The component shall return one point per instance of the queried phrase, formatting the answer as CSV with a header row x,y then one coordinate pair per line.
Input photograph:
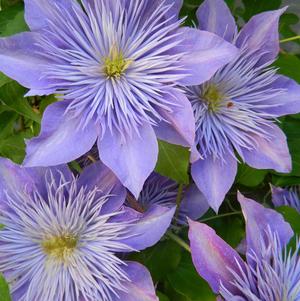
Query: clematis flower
x,y
269,273
161,191
119,66
286,197
235,110
62,236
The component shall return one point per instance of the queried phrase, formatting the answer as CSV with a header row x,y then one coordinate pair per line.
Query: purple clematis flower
x,y
161,191
62,235
119,66
235,110
286,197
270,272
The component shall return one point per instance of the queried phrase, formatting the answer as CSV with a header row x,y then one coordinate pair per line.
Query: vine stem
x,y
219,216
290,39
179,240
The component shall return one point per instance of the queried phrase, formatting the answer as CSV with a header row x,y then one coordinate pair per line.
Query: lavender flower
x,y
119,66
270,273
62,236
235,110
286,197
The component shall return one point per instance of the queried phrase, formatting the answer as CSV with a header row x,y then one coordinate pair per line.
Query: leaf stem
x,y
179,241
219,216
290,39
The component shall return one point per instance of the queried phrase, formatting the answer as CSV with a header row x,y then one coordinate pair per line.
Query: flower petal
x,y
279,195
215,16
261,33
132,159
39,12
99,176
214,178
19,59
147,228
270,154
258,220
287,102
194,203
180,128
212,256
15,178
205,54
140,287
60,140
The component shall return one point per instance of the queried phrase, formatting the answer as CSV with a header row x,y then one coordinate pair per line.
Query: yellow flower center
x,y
60,247
115,64
213,98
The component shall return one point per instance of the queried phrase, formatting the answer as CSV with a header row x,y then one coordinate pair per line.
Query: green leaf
x,y
4,290
161,259
162,297
12,20
187,282
250,177
289,65
292,216
7,122
12,95
4,79
173,162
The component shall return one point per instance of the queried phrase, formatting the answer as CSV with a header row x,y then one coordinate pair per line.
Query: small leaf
x,y
292,216
162,297
4,290
250,177
173,162
289,65
4,79
12,95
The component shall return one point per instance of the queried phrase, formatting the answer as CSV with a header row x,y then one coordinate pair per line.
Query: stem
x,y
178,199
219,216
290,39
134,203
180,241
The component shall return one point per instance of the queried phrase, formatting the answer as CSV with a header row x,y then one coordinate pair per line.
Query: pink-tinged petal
x,y
213,257
205,54
147,228
14,178
287,102
279,196
99,176
20,60
61,140
194,204
132,159
140,287
261,33
270,154
258,220
215,16
214,177
39,12
179,127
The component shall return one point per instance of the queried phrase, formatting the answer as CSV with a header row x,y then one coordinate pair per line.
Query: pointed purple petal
x,y
215,16
180,125
140,287
61,140
39,12
99,176
258,220
212,256
205,54
149,227
194,204
287,102
270,154
132,159
19,59
261,33
214,178
15,178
